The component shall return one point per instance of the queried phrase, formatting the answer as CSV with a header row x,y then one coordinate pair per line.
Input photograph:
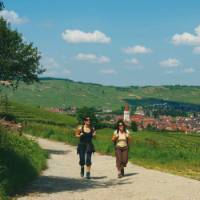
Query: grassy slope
x,y
58,93
29,114
21,160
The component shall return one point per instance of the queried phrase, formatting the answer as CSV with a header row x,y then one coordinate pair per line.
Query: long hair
x,y
84,119
121,122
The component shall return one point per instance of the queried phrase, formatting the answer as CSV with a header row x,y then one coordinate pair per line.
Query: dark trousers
x,y
85,157
121,154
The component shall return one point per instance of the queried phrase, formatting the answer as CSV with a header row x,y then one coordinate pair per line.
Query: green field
x,y
64,93
170,152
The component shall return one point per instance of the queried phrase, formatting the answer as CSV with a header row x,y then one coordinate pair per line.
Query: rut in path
x,y
61,181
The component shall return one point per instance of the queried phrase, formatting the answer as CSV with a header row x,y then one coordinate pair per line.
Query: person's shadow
x,y
55,184
130,174
57,152
98,177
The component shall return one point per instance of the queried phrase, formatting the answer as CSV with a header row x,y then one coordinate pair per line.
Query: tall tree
x,y
134,126
19,60
87,112
1,5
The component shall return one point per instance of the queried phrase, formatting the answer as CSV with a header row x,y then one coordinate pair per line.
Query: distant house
x,y
137,118
106,110
119,117
139,111
148,121
6,83
55,110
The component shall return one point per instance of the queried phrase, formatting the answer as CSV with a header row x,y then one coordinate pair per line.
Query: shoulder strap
x,y
82,129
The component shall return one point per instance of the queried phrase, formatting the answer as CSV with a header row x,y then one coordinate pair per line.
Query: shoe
x,y
88,175
82,171
122,171
119,175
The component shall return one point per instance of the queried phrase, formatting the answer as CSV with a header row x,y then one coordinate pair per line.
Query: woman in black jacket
x,y
85,147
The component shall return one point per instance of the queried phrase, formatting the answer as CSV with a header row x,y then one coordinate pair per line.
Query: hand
x,y
81,134
127,135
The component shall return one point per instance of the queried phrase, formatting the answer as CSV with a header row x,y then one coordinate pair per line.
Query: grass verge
x,y
21,161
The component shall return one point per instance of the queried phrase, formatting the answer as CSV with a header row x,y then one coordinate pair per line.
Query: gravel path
x,y
61,181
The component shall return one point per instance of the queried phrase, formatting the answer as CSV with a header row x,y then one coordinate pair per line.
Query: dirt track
x,y
61,181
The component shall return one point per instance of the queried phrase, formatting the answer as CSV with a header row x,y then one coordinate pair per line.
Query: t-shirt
x,y
122,138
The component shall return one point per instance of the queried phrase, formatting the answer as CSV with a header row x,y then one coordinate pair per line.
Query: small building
x,y
6,83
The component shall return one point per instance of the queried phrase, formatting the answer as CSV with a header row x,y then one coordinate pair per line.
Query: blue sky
x,y
129,42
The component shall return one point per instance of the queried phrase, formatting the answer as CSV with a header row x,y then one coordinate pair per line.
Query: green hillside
x,y
64,93
170,152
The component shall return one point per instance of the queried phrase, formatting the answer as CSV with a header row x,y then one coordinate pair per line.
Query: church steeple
x,y
126,113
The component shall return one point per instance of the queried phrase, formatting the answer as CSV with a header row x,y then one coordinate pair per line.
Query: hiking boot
x,y
82,171
122,171
119,175
88,175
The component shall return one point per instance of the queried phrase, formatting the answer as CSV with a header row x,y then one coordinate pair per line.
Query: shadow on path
x,y
98,177
57,152
54,184
130,174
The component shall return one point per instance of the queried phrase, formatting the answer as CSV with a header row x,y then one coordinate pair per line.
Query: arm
x,y
94,134
78,132
115,137
129,139
128,136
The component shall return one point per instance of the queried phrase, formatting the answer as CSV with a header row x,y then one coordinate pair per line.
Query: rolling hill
x,y
64,93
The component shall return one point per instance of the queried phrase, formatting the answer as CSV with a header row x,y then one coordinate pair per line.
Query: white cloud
x,y
187,38
78,36
196,50
54,69
189,70
50,63
108,71
197,30
132,61
103,59
12,17
170,62
92,58
138,49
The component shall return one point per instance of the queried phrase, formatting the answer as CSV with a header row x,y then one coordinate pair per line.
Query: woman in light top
x,y
85,147
121,139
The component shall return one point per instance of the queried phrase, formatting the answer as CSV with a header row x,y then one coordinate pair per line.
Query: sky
x,y
113,42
